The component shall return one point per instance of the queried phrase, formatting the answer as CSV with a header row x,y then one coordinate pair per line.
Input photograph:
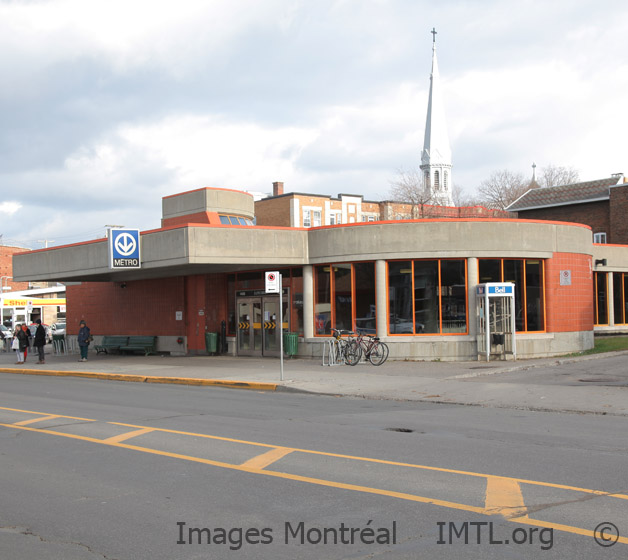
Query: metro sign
x,y
124,248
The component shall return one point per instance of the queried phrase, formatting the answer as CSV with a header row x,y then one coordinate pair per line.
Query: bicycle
x,y
345,350
373,349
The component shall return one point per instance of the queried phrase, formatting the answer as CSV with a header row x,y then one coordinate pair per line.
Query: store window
x,y
344,297
427,297
528,277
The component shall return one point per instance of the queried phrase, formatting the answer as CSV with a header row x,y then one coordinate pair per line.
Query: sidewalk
x,y
539,384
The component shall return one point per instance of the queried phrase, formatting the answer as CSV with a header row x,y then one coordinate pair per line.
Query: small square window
x,y
599,237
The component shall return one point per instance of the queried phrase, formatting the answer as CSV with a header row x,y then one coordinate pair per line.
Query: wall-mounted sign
x,y
124,248
565,277
178,315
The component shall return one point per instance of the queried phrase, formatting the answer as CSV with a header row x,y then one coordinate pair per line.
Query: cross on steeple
x,y
433,32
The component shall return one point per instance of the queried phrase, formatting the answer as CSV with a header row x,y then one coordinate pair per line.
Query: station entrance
x,y
258,324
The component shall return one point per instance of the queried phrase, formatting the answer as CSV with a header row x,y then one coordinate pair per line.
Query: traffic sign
x,y
124,248
272,282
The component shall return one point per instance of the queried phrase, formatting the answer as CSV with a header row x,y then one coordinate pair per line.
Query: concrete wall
x,y
446,239
223,201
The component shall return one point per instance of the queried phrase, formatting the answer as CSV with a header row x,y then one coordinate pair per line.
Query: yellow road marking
x,y
46,414
33,420
128,435
504,497
268,458
501,491
392,463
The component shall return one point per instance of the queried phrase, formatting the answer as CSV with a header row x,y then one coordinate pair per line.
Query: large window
x,y
427,297
344,297
620,293
527,275
601,301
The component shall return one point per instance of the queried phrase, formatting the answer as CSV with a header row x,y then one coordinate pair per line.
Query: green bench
x,y
144,344
111,343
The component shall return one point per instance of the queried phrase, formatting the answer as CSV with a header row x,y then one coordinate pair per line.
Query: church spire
x,y
436,155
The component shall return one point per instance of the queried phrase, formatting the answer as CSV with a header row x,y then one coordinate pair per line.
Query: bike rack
x,y
331,354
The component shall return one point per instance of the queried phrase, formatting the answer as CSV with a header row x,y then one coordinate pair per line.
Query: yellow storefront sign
x,y
35,302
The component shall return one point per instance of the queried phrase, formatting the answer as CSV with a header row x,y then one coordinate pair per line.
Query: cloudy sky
x,y
106,106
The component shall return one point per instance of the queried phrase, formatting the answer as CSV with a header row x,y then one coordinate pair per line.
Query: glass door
x,y
258,324
250,327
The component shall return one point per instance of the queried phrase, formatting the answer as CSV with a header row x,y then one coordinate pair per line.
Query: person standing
x,y
27,334
40,341
22,343
84,336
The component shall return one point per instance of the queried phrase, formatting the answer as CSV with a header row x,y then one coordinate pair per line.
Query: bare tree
x,y
553,175
502,188
462,198
408,187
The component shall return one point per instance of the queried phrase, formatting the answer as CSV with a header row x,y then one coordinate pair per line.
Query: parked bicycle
x,y
345,350
373,349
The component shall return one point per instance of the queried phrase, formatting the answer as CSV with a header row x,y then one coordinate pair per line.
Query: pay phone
x,y
495,311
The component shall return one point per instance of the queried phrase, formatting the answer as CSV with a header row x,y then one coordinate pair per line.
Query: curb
x,y
554,361
252,385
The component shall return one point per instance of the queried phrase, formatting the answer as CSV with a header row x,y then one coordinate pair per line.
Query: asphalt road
x,y
101,469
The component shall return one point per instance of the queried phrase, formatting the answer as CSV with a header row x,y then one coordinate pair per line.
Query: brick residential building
x,y
308,210
600,204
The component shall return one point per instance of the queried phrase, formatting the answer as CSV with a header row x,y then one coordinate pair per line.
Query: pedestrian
x,y
40,341
84,338
20,343
27,334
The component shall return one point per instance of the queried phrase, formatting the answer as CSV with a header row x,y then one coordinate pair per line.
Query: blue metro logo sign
x,y
124,248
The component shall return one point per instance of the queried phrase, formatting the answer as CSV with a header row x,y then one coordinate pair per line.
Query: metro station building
x,y
410,282
405,273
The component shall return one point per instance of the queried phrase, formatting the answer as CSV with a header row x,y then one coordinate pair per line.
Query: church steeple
x,y
436,155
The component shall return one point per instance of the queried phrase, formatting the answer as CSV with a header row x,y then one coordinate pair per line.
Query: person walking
x,y
84,336
40,341
21,344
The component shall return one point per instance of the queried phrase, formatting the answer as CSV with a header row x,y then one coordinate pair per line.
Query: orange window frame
x,y
525,288
440,299
332,291
595,297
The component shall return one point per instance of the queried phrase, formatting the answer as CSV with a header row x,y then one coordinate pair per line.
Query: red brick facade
x,y
596,215
149,307
568,308
619,215
6,267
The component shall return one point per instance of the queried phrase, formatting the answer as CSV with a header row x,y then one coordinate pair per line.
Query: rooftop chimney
x,y
277,188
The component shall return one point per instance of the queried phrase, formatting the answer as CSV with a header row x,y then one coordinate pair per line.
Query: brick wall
x,y
569,308
273,211
148,307
144,307
618,215
593,214
6,267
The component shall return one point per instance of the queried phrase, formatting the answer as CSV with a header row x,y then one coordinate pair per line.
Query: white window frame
x,y
599,237
307,217
317,218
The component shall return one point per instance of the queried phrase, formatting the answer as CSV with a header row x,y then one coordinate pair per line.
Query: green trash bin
x,y
211,342
290,343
